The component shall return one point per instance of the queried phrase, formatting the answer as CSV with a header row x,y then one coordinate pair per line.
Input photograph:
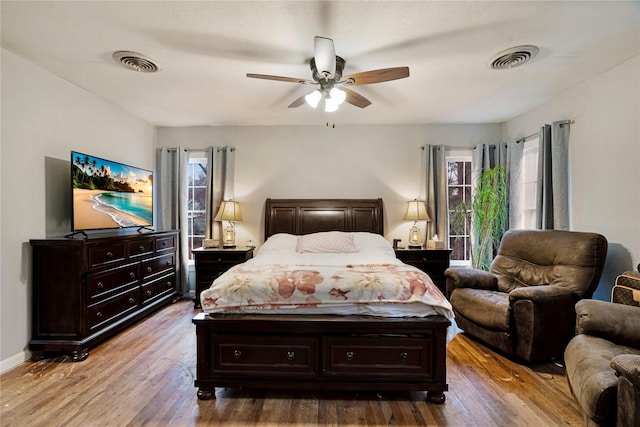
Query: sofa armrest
x,y
614,322
542,294
628,366
469,278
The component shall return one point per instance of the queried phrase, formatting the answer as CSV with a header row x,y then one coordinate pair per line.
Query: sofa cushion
x,y
592,380
489,309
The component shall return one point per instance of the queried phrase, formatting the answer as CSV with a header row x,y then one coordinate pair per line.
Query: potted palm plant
x,y
489,211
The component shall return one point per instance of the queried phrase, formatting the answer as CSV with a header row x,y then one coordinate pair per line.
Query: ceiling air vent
x,y
135,61
513,57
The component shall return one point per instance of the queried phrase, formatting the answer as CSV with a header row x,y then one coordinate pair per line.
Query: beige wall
x,y
604,155
43,119
321,162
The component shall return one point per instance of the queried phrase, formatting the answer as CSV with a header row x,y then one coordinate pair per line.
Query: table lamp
x,y
229,211
416,211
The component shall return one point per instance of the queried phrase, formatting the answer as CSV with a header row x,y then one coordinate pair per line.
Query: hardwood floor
x,y
144,376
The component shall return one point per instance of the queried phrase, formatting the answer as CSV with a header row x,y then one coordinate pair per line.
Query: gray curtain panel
x,y
552,205
172,166
220,186
436,199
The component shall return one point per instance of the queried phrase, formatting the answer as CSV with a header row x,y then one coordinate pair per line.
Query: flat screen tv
x,y
109,195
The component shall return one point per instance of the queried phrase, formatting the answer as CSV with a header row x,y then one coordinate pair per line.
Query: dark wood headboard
x,y
304,216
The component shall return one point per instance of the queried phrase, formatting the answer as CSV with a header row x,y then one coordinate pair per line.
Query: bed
x,y
280,321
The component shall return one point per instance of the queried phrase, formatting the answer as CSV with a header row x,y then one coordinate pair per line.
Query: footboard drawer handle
x,y
404,355
237,354
291,355
349,355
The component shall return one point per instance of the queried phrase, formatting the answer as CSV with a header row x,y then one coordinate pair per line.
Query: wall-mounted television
x,y
109,194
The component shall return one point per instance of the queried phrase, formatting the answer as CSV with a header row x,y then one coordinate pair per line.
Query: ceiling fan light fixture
x,y
313,98
338,96
330,105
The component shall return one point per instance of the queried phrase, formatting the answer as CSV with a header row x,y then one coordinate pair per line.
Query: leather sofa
x,y
603,363
524,305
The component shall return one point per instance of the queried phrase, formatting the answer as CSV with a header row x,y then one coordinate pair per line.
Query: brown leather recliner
x,y
524,305
603,363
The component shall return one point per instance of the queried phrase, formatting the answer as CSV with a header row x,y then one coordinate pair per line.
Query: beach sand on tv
x,y
87,217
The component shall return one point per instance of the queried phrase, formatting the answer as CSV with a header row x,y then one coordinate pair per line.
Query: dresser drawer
x,y
162,286
257,356
140,247
101,255
110,310
101,285
157,265
166,244
378,357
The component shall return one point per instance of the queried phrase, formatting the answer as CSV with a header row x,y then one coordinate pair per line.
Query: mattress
x,y
326,273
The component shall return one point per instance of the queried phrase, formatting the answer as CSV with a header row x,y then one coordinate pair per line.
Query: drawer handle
x,y
132,274
349,355
291,355
131,300
164,243
100,285
404,355
141,248
99,314
168,262
237,354
424,260
109,254
219,259
149,292
149,269
169,284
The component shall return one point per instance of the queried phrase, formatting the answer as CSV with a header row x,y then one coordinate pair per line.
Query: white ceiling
x,y
206,48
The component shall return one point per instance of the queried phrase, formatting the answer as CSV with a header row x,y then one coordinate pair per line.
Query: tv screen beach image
x,y
108,194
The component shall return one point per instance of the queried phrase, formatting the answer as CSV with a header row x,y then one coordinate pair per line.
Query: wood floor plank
x,y
144,377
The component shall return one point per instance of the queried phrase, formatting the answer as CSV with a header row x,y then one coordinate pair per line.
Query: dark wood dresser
x,y
85,290
212,262
432,261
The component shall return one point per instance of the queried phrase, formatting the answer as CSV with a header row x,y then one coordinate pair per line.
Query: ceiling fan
x,y
326,71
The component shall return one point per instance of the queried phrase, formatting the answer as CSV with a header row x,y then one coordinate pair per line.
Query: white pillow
x,y
326,242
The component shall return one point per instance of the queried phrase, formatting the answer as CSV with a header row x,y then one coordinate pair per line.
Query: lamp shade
x,y
416,211
229,211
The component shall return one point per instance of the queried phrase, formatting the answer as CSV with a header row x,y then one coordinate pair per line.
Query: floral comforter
x,y
271,286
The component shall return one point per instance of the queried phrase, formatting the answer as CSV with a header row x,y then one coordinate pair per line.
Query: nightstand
x,y
432,261
212,262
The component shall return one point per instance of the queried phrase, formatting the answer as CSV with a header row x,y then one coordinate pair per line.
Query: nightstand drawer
x,y
378,357
255,356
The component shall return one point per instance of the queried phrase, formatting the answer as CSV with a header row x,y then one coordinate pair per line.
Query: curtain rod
x,y
198,149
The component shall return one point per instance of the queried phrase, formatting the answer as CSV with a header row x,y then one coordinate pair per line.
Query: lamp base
x,y
229,246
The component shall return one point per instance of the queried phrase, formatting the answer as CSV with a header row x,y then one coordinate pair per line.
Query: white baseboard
x,y
13,361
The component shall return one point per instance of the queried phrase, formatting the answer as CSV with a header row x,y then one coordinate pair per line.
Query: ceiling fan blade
x,y
356,99
298,102
375,76
324,54
280,78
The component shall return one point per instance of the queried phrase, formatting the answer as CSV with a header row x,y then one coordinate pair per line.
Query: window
x,y
459,194
197,193
529,179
